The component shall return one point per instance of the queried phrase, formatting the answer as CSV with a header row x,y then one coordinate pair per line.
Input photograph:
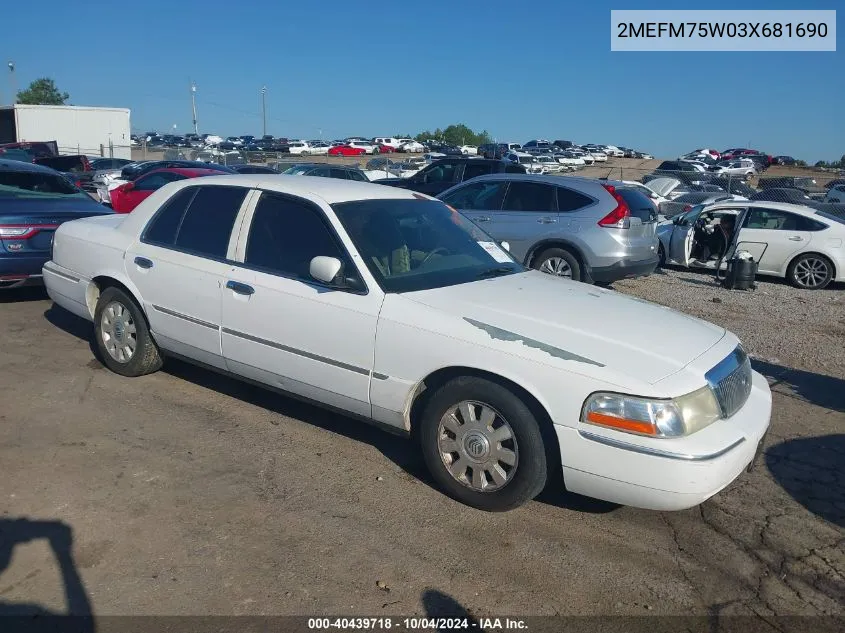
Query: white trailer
x,y
86,130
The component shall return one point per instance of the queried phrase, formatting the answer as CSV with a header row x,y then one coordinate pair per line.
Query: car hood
x,y
576,326
663,186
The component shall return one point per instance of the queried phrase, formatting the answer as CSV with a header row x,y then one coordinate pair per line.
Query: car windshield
x,y
28,184
411,245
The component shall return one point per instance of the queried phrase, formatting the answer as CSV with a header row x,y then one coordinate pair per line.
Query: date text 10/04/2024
x,y
422,624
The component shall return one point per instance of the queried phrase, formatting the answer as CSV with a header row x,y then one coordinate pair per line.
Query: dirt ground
x,y
187,493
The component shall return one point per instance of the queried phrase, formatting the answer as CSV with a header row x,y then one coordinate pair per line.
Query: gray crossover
x,y
580,228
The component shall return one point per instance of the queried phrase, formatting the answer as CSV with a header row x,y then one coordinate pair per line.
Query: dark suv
x,y
447,172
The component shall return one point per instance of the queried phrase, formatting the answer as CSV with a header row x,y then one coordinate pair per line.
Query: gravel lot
x,y
189,493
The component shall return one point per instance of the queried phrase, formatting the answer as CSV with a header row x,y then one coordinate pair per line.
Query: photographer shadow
x,y
32,616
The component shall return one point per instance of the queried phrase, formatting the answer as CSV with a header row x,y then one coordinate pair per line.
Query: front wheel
x,y
376,150
483,445
661,254
121,335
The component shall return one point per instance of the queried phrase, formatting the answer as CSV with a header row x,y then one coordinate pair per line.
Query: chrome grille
x,y
730,381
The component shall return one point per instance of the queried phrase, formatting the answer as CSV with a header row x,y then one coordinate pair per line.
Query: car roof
x,y
800,209
551,180
185,171
18,165
330,190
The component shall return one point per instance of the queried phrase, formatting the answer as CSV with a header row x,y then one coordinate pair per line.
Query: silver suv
x,y
579,228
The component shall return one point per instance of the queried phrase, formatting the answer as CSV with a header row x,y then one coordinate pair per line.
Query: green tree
x,y
820,163
42,92
456,134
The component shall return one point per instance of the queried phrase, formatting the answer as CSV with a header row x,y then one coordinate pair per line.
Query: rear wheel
x,y
122,337
810,271
559,262
483,445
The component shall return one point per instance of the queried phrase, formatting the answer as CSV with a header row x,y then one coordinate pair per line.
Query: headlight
x,y
655,418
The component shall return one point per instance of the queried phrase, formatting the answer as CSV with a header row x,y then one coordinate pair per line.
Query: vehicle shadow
x,y
441,605
823,391
396,447
20,295
811,470
59,535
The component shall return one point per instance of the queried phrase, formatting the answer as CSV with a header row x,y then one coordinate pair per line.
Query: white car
x,y
302,148
598,155
739,167
502,374
570,160
529,161
368,147
469,150
612,150
395,143
430,157
835,194
792,241
412,147
550,164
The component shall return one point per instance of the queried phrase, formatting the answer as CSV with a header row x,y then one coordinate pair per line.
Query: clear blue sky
x,y
519,69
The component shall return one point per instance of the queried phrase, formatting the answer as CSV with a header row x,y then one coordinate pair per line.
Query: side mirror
x,y
505,246
324,269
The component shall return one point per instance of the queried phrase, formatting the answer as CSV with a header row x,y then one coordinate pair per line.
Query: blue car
x,y
34,201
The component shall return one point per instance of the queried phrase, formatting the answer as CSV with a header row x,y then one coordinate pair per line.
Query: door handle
x,y
483,218
239,288
546,220
796,238
143,262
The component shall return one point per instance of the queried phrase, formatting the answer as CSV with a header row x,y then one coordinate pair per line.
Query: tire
x,y
810,272
558,259
661,254
515,484
116,307
376,150
305,153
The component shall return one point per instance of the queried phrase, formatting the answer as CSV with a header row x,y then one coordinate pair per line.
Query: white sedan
x,y
469,150
739,167
412,147
792,241
394,308
368,147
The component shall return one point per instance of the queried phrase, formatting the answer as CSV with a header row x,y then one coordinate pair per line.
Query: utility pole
x,y
264,110
194,106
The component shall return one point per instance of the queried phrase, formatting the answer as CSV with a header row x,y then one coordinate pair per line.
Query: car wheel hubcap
x,y
477,446
556,266
117,329
811,272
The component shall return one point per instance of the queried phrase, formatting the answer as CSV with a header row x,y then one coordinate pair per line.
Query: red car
x,y
346,150
129,195
386,149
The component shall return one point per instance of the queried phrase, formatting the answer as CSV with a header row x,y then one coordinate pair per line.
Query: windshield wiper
x,y
495,272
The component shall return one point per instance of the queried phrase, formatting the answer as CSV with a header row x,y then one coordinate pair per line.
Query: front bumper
x,y
624,270
657,474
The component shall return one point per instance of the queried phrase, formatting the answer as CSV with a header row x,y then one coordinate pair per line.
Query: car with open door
x,y
790,241
393,308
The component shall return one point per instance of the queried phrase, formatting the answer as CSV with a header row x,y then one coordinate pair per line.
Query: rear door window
x,y
208,222
530,196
